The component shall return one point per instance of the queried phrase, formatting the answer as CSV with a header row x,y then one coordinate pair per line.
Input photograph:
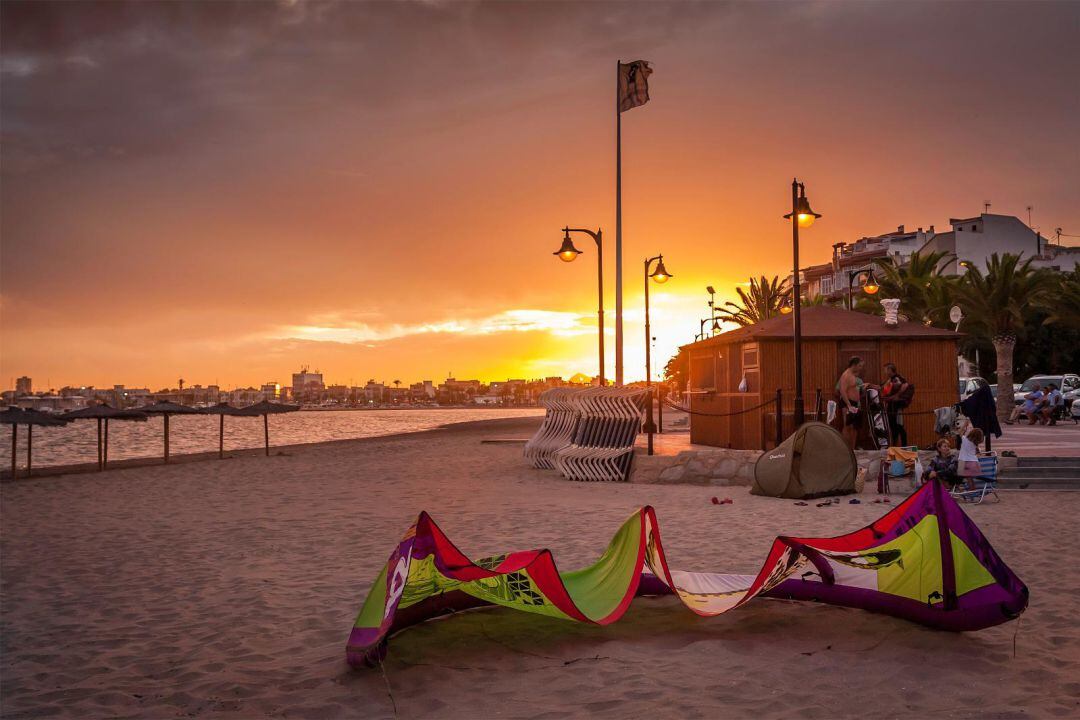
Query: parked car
x,y
968,386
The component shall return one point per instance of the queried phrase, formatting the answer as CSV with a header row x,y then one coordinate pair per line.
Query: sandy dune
x,y
228,588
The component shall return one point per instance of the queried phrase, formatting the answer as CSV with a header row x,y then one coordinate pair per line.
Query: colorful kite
x,y
924,561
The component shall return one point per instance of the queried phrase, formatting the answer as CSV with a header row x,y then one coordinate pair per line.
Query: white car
x,y
968,386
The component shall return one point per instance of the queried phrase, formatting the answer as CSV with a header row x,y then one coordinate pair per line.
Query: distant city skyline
x,y
226,191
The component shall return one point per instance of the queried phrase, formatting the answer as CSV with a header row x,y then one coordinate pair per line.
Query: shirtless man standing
x,y
849,388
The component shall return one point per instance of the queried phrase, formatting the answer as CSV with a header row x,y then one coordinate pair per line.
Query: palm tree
x,y
999,305
1065,309
761,303
925,294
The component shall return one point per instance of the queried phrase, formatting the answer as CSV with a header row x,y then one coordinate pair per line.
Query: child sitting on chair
x,y
943,465
968,462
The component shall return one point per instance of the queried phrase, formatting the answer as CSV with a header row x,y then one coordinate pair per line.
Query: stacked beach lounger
x,y
557,430
603,425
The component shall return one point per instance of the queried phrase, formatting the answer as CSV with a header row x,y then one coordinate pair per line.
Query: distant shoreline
x,y
472,406
516,426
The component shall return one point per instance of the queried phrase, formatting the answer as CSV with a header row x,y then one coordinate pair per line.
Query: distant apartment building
x,y
422,391
51,402
837,278
456,392
396,395
307,386
373,392
973,240
271,391
243,396
338,393
24,386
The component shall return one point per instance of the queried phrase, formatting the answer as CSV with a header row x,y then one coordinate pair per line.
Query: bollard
x,y
779,416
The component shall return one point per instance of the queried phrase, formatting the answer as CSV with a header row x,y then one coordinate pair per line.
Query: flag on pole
x,y
633,84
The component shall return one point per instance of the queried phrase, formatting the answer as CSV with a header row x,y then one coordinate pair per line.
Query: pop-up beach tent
x,y
924,561
814,461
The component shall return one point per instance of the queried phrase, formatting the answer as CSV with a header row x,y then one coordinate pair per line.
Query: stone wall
x,y
720,466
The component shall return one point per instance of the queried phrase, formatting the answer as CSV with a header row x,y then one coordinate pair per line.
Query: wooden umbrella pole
x,y
99,456
221,437
29,449
14,447
266,433
105,448
166,437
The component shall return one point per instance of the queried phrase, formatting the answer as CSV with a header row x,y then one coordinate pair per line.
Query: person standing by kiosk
x,y
849,388
896,393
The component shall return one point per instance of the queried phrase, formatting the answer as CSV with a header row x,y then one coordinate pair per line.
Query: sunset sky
x,y
225,192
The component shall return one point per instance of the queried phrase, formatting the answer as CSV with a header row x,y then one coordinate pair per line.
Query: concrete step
x,y
1049,471
1048,462
1013,482
1039,487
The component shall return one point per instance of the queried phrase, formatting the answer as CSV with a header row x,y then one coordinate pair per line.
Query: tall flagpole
x,y
618,235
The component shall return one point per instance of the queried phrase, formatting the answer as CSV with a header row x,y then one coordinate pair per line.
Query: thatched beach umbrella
x,y
221,410
15,417
106,413
266,408
167,409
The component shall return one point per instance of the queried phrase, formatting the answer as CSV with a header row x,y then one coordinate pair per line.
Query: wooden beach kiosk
x,y
763,354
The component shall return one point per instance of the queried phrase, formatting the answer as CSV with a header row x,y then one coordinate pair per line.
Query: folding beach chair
x,y
985,483
905,455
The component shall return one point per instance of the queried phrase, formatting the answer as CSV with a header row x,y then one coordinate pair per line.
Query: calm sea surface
x,y
76,442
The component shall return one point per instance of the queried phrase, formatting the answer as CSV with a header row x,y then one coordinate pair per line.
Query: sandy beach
x,y
228,588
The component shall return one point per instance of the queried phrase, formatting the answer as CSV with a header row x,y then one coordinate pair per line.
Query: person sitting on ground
x,y
968,461
1053,404
943,465
1031,404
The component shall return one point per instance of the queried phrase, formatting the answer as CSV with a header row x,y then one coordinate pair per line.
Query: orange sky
x,y
224,192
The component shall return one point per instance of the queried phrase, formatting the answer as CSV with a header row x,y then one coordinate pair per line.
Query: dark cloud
x,y
204,155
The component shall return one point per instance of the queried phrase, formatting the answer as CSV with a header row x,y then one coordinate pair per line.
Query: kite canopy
x,y
813,462
924,561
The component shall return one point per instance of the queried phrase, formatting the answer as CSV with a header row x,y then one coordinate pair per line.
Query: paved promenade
x,y
1061,440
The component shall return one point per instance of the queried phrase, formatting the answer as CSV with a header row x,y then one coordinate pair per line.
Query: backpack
x,y
904,397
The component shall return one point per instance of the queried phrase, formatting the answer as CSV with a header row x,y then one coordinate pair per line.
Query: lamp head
x,y
785,307
709,289
660,274
804,215
870,285
567,253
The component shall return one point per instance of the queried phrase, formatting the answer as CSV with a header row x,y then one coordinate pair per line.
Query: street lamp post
x,y
701,326
869,286
660,276
801,216
568,253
